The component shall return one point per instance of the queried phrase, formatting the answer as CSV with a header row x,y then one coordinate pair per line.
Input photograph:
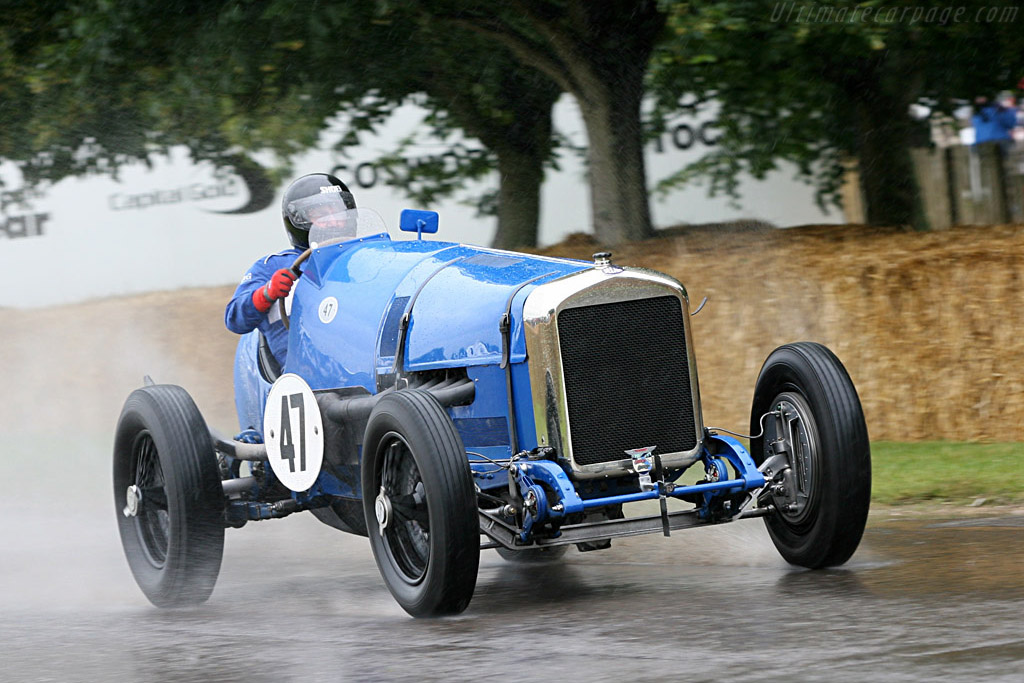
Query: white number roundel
x,y
328,309
294,433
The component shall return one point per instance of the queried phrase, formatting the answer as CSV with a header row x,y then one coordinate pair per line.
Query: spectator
x,y
993,124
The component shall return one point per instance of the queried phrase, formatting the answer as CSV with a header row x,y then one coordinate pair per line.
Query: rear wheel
x,y
168,496
817,442
420,505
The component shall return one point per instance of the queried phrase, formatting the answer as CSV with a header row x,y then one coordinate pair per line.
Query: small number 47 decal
x,y
288,440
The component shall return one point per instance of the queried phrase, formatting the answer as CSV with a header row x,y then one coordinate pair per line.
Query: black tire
x,y
175,541
540,555
821,513
415,471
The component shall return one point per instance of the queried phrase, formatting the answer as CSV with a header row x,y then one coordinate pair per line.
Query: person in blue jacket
x,y
311,200
993,124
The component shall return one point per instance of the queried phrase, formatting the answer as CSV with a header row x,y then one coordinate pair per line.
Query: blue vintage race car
x,y
442,399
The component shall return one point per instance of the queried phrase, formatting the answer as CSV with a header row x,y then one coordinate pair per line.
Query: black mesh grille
x,y
627,379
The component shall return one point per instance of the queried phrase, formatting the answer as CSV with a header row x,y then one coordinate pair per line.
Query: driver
x,y
317,199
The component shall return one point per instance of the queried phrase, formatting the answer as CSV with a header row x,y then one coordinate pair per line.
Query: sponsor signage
x,y
173,223
196,192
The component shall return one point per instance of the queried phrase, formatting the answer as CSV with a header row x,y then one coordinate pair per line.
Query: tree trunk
x,y
598,52
618,179
522,146
521,176
609,86
891,192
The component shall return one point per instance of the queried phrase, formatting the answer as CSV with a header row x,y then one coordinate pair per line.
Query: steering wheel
x,y
297,273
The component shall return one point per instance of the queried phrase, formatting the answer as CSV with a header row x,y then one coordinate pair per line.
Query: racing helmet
x,y
314,198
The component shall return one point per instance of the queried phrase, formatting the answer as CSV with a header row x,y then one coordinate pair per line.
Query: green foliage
x,y
817,84
90,86
102,84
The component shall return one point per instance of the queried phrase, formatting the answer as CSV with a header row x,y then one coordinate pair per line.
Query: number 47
x,y
288,440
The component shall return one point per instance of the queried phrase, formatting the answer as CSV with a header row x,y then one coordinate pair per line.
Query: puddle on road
x,y
983,557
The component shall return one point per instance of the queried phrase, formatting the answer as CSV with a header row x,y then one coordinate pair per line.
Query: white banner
x,y
179,224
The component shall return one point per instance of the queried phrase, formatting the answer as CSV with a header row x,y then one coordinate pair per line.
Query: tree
x,y
818,84
91,86
598,52
98,85
477,88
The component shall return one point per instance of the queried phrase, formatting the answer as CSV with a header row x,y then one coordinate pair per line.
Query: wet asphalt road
x,y
920,601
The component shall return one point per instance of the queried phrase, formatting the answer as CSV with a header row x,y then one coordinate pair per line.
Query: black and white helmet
x,y
312,199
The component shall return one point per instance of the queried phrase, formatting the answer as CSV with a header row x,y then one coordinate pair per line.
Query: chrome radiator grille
x,y
627,378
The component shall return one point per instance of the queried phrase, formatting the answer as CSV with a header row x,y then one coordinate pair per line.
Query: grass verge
x,y
943,471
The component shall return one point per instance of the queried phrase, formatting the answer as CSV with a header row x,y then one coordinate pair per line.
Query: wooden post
x,y
932,179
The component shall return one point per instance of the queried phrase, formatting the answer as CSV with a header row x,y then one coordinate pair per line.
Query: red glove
x,y
277,287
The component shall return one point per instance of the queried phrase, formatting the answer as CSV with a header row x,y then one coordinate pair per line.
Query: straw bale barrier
x,y
929,325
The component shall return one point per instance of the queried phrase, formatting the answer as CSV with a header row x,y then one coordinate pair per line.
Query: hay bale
x,y
927,324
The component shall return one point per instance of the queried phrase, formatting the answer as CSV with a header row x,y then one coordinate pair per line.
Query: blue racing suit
x,y
241,315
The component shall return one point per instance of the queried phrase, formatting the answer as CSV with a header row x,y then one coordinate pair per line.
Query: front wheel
x,y
820,460
168,496
420,505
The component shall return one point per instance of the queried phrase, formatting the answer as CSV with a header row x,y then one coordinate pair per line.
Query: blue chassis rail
x,y
528,474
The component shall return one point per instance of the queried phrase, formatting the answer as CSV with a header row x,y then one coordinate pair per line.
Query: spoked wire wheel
x,y
151,519
403,516
420,504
